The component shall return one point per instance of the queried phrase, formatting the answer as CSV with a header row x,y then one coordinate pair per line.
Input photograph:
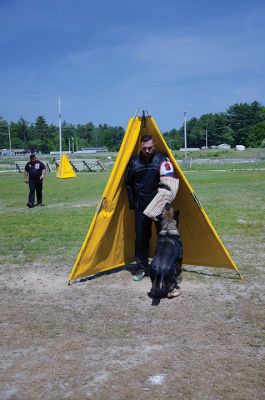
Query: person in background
x,y
34,174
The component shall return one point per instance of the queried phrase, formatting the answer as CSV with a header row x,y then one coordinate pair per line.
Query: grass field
x,y
102,339
234,201
56,230
222,166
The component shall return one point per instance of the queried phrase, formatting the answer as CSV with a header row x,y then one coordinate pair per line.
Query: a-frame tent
x,y
65,169
110,239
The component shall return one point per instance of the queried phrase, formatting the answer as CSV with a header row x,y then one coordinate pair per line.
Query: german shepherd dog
x,y
166,265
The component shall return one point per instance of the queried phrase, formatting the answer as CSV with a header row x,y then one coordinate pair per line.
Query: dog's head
x,y
169,221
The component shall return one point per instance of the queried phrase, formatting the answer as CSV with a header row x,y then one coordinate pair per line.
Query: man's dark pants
x,y
35,186
143,231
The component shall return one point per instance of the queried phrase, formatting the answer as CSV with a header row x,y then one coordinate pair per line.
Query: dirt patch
x,y
103,339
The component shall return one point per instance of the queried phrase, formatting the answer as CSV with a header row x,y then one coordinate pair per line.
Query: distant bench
x,y
20,166
85,165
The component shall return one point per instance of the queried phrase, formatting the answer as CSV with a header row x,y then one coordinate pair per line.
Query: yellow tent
x,y
110,239
65,169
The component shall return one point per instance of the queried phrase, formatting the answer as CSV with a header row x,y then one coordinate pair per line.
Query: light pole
x,y
206,139
9,135
185,134
60,129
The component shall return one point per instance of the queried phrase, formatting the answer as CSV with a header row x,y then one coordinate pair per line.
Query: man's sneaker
x,y
29,205
39,205
174,293
139,276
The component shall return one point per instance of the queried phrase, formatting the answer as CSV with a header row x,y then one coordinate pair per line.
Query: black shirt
x,y
34,169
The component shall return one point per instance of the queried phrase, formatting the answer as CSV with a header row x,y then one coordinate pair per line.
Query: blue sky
x,y
107,58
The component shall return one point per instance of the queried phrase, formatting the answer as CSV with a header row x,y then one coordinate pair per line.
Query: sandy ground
x,y
103,338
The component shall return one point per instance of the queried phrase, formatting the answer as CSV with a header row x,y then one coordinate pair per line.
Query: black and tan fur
x,y
167,261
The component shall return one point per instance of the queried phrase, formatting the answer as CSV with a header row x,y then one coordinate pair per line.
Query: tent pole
x,y
143,120
240,276
136,113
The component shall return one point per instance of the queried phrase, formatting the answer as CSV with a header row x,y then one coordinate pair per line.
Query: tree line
x,y
242,123
45,137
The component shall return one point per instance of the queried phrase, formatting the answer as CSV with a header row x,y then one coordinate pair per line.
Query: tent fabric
x,y
65,169
110,239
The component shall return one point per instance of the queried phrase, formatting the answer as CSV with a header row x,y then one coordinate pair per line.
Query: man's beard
x,y
147,157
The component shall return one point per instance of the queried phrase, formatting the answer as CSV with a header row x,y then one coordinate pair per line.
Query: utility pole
x,y
60,129
185,134
9,135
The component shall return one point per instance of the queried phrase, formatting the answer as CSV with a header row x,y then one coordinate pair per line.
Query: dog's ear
x,y
159,217
176,215
167,206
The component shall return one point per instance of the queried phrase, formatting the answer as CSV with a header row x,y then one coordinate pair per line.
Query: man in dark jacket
x,y
142,180
34,175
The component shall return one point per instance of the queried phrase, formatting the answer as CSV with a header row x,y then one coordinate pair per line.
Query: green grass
x,y
222,166
52,232
234,201
216,153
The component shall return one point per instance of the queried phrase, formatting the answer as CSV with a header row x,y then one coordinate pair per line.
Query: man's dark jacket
x,y
142,179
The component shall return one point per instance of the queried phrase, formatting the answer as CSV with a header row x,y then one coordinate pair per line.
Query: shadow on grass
x,y
193,271
129,267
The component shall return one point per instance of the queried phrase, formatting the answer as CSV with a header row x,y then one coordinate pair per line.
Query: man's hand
x,y
43,175
26,177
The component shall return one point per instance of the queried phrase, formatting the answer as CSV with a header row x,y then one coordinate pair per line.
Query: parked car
x,y
240,147
224,146
6,152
